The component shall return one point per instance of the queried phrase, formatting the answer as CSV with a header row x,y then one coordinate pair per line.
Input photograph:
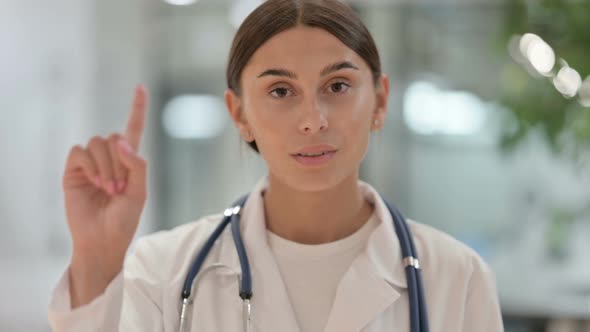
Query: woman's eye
x,y
339,87
280,92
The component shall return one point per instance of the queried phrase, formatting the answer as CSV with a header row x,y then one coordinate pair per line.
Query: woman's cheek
x,y
352,110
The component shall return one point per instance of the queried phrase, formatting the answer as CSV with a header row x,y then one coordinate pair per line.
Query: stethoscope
x,y
418,315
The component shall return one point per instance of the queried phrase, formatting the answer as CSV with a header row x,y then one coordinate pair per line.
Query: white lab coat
x,y
371,297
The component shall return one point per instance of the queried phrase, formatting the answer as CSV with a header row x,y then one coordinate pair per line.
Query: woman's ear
x,y
235,109
382,95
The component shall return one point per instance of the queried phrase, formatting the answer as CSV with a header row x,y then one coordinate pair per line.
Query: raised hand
x,y
105,191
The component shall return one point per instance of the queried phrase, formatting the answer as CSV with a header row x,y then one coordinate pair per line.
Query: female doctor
x,y
305,90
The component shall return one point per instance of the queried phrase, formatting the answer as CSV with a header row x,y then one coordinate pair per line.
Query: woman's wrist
x,y
90,277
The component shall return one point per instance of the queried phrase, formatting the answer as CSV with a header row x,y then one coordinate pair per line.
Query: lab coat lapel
x,y
361,297
271,306
372,282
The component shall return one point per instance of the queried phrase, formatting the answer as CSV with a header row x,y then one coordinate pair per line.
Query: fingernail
x,y
120,185
111,187
97,181
125,146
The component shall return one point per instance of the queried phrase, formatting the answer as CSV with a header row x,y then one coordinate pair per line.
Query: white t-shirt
x,y
311,273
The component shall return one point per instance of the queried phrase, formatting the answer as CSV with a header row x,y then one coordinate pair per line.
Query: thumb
x,y
134,163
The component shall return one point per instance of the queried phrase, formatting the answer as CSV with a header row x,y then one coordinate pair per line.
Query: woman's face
x,y
305,93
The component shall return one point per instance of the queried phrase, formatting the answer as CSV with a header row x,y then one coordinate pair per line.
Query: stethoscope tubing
x,y
246,282
418,313
414,275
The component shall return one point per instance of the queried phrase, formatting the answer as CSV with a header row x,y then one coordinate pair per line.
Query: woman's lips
x,y
314,159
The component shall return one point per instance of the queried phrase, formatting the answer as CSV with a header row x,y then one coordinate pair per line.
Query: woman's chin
x,y
314,181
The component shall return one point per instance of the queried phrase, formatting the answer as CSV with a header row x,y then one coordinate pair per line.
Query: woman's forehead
x,y
301,49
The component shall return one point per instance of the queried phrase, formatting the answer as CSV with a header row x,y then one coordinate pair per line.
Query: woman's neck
x,y
315,217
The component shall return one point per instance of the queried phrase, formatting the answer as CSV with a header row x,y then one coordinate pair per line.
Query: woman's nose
x,y
314,118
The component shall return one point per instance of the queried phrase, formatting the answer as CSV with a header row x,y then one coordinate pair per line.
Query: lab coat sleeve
x,y
102,314
131,302
482,311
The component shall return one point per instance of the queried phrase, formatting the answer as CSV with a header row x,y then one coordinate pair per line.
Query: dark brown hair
x,y
275,16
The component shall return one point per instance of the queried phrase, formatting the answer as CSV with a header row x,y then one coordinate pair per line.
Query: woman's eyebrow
x,y
327,70
338,66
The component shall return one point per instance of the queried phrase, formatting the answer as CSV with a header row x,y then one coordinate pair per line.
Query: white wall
x,y
60,84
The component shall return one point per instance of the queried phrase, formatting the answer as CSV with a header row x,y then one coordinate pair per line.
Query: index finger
x,y
136,121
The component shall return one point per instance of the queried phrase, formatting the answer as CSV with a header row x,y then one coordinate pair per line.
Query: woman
x,y
305,89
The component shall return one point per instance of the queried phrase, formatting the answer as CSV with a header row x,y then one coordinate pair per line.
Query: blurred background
x,y
488,134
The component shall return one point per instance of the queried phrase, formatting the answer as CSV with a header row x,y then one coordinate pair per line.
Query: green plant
x,y
533,101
